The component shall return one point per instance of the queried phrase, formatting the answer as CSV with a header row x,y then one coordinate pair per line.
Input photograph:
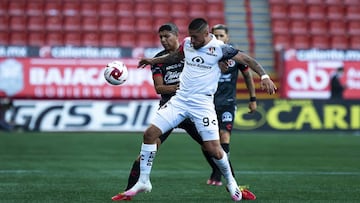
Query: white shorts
x,y
199,109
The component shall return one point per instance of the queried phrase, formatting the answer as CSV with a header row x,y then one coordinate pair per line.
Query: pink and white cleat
x,y
139,187
234,191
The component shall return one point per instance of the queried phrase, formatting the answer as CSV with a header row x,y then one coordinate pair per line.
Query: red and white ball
x,y
116,73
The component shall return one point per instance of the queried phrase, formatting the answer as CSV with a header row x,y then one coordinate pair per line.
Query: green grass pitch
x,y
92,167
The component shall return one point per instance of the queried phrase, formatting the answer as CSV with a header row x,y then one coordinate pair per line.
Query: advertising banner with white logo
x,y
135,115
36,78
307,73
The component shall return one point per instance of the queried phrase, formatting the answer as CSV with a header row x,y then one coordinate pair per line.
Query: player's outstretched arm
x,y
251,89
266,83
167,58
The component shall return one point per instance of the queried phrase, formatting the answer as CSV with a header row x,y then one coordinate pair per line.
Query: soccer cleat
x,y
120,197
246,194
138,187
234,191
214,182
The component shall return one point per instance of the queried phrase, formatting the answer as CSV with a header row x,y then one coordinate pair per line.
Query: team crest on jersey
x,y
211,51
230,63
226,117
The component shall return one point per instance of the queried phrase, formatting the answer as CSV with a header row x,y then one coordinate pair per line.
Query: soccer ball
x,y
116,73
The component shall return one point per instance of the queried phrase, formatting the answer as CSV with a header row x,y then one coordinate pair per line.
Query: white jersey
x,y
201,70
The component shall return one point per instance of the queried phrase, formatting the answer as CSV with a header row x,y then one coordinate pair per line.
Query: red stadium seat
x,y
337,27
280,26
108,23
144,24
90,39
278,11
355,42
161,10
109,39
4,23
36,38
297,11
71,8
36,23
295,2
320,42
316,12
90,23
315,2
335,12
53,8
54,39
3,8
145,39
334,2
215,9
16,8
127,39
125,9
351,2
143,9
54,23
18,38
89,8
179,9
298,27
18,23
126,24
72,23
318,27
107,9
182,23
159,21
354,27
197,9
339,42
4,38
281,41
353,12
301,42
73,38
35,8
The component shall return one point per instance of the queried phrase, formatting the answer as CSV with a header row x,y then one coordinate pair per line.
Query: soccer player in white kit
x,y
194,99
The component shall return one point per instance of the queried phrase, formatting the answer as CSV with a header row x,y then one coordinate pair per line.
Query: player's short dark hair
x,y
171,27
198,24
220,27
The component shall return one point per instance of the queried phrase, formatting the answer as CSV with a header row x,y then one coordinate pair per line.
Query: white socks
x,y
147,155
224,166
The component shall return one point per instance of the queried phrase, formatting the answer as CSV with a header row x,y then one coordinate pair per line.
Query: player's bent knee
x,y
151,134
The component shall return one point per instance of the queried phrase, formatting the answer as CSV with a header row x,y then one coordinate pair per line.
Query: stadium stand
x,y
324,23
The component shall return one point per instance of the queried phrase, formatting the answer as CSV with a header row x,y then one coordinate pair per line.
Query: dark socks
x,y
134,175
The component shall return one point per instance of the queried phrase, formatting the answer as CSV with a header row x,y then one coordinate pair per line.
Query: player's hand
x,y
268,85
252,107
223,66
144,62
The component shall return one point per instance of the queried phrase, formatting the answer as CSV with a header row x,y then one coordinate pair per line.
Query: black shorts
x,y
225,115
189,127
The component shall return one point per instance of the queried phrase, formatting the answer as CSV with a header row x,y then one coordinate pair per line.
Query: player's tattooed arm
x,y
174,57
245,59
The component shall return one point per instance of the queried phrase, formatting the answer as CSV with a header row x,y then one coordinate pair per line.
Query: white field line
x,y
178,172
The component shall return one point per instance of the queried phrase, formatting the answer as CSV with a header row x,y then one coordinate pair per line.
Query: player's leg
x,y
190,128
135,169
205,119
222,162
166,118
225,115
